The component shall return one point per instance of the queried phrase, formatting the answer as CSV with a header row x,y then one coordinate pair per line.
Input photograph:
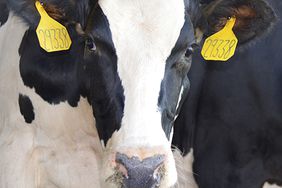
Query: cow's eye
x,y
191,50
90,44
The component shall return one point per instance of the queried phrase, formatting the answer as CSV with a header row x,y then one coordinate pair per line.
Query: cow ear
x,y
253,17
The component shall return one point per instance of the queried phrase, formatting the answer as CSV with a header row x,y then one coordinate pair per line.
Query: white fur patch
x,y
179,97
268,185
179,100
144,33
60,149
184,170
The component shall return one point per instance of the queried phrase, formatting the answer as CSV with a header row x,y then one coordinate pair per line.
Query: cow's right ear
x,y
27,11
67,12
253,17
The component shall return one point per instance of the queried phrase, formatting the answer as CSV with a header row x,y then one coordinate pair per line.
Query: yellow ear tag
x,y
52,35
221,46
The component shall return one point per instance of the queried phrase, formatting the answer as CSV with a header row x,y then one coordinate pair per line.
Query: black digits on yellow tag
x,y
52,35
222,45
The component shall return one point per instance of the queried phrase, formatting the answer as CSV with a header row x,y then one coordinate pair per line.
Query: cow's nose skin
x,y
141,174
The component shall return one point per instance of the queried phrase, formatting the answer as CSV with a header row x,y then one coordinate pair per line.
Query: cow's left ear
x,y
253,17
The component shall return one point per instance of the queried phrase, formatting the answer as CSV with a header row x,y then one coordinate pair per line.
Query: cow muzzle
x,y
136,173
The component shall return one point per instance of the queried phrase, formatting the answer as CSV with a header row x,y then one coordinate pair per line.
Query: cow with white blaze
x,y
132,68
140,66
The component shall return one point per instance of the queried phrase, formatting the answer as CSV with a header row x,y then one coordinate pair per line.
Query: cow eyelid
x,y
89,42
191,50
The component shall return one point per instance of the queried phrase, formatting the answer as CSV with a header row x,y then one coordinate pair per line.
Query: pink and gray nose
x,y
141,174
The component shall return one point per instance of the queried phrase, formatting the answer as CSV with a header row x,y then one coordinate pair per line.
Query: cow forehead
x,y
144,29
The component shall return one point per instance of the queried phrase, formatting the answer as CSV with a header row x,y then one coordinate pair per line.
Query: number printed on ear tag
x,y
221,46
52,35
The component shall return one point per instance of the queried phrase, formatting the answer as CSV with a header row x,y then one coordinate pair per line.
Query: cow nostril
x,y
137,173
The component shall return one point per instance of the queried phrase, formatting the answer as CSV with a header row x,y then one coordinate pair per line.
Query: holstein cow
x,y
134,77
47,131
134,74
232,116
139,76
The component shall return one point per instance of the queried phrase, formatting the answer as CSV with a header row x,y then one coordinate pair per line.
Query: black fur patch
x,y
4,12
196,15
102,80
57,76
54,76
177,67
26,108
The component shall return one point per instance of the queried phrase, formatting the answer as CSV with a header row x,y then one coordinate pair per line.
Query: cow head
x,y
139,53
139,76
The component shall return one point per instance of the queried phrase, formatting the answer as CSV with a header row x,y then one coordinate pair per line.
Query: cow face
x,y
138,55
139,70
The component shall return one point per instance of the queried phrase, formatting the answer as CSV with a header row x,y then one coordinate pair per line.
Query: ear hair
x,y
55,12
67,12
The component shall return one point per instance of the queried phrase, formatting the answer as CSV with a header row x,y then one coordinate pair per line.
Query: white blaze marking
x,y
180,96
144,33
185,169
179,100
171,135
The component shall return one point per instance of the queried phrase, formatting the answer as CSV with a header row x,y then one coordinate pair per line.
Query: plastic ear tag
x,y
52,35
221,46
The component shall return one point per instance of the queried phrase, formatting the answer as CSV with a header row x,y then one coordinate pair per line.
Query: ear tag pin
x,y
221,46
52,35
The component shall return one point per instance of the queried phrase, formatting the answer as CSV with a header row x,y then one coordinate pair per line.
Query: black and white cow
x,y
133,71
139,76
232,116
47,130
